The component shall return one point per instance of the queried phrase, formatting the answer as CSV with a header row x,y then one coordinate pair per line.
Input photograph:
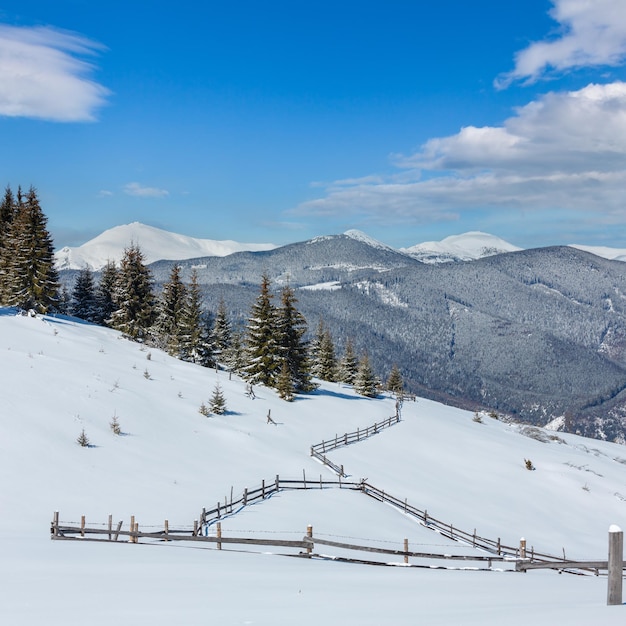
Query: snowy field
x,y
60,376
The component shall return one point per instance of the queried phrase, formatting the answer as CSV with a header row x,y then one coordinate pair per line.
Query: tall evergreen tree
x,y
262,348
30,277
192,332
395,384
349,364
171,311
83,300
366,383
291,328
326,362
134,297
105,293
222,332
8,210
284,383
235,356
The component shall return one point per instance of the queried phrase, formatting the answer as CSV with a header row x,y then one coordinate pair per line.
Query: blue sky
x,y
278,121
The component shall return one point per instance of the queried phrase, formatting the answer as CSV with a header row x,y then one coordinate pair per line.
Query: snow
x,y
156,244
613,254
61,376
466,247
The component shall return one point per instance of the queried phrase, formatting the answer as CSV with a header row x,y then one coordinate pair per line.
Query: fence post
x,y
195,528
309,534
304,477
82,525
166,529
616,564
55,524
219,535
406,549
245,496
263,489
522,548
132,529
110,525
277,483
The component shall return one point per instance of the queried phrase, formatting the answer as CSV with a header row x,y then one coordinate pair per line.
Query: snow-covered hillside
x,y
156,244
61,376
466,247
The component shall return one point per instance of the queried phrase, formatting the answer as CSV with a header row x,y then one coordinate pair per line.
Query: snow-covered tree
x,y
291,328
171,311
134,297
349,364
222,332
262,349
395,384
105,293
366,383
29,277
83,301
324,359
217,403
284,383
192,335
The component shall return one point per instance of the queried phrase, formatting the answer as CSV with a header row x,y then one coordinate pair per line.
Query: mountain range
x,y
538,334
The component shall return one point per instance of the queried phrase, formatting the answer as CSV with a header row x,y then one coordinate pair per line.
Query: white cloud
x,y
136,189
561,151
592,33
42,75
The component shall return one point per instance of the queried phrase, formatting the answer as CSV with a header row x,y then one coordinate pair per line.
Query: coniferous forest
x,y
273,349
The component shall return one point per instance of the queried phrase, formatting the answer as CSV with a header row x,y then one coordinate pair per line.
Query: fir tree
x,y
8,210
291,328
171,311
366,383
30,278
284,383
217,403
263,352
222,332
235,355
326,359
395,384
83,300
349,365
105,293
192,338
133,297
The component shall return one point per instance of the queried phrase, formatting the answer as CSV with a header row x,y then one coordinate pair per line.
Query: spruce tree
x,y
291,328
105,293
217,403
191,335
262,348
366,383
83,300
284,383
222,332
395,384
171,311
326,359
235,356
134,297
30,277
349,364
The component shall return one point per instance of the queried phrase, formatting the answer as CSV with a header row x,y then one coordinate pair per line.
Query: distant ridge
x,y
156,244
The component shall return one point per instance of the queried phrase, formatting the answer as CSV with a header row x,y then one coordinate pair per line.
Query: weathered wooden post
x,y
55,524
131,539
245,496
110,525
195,528
616,565
406,549
309,534
522,548
219,535
82,525
167,529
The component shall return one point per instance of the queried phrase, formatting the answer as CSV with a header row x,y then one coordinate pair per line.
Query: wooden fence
x,y
319,450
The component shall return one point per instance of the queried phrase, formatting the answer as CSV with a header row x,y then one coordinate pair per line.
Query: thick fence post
x,y
522,548
110,525
55,524
132,529
219,535
406,549
309,534
616,565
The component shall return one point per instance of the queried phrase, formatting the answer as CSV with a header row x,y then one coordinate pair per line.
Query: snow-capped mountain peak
x,y
156,244
359,235
466,247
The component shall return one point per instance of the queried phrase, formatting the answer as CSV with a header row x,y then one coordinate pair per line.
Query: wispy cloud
x,y
42,75
136,189
561,151
591,33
